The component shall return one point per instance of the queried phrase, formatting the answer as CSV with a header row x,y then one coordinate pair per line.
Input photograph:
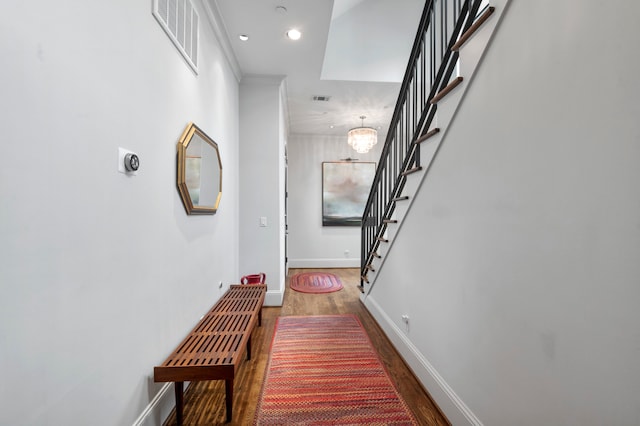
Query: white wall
x,y
102,274
518,262
312,245
262,152
354,52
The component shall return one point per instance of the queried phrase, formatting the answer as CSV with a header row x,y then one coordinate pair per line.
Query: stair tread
x,y
473,28
444,92
427,135
408,172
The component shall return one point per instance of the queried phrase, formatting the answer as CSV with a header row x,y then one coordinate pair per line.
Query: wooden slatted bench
x,y
214,348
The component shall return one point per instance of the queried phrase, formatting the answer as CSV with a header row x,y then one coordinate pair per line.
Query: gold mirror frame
x,y
199,171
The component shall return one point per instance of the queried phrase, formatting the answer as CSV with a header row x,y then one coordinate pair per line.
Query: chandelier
x,y
362,139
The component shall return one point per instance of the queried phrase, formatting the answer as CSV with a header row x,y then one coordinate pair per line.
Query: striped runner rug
x,y
323,370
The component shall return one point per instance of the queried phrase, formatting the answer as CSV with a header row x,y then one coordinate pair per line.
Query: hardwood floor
x,y
204,401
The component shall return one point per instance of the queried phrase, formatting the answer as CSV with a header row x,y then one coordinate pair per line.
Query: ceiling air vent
x,y
321,98
180,21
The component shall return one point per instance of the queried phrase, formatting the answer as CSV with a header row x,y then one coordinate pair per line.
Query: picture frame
x,y
345,189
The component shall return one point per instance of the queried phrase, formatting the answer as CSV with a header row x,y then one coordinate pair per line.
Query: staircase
x,y
435,77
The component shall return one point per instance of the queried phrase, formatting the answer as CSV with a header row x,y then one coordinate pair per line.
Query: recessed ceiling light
x,y
243,37
294,34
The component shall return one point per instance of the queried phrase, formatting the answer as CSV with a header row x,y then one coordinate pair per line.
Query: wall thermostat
x,y
131,162
128,162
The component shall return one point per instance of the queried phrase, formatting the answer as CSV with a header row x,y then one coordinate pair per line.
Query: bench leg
x,y
260,317
249,348
228,387
179,387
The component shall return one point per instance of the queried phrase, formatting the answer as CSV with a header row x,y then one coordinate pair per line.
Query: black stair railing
x,y
429,70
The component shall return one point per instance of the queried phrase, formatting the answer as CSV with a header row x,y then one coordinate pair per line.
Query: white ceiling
x,y
354,51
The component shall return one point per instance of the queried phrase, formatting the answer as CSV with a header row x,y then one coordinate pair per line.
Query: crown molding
x,y
217,25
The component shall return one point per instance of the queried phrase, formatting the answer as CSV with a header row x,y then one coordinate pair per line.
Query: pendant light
x,y
362,139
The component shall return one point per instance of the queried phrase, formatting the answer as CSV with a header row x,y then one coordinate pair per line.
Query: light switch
x,y
263,221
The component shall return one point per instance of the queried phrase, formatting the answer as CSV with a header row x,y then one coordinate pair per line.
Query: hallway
x,y
204,402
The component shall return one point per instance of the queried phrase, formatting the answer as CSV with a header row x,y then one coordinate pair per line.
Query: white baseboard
x,y
159,408
273,298
451,405
324,263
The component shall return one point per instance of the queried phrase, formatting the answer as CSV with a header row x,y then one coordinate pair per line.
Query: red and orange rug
x,y
315,282
323,370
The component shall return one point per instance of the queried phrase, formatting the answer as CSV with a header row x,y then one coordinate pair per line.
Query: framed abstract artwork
x,y
345,189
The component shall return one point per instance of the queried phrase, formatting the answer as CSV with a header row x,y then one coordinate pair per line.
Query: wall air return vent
x,y
180,21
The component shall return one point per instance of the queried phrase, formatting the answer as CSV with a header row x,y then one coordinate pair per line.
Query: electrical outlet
x,y
346,253
405,320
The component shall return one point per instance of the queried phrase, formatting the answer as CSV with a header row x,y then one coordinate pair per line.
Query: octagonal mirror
x,y
199,171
